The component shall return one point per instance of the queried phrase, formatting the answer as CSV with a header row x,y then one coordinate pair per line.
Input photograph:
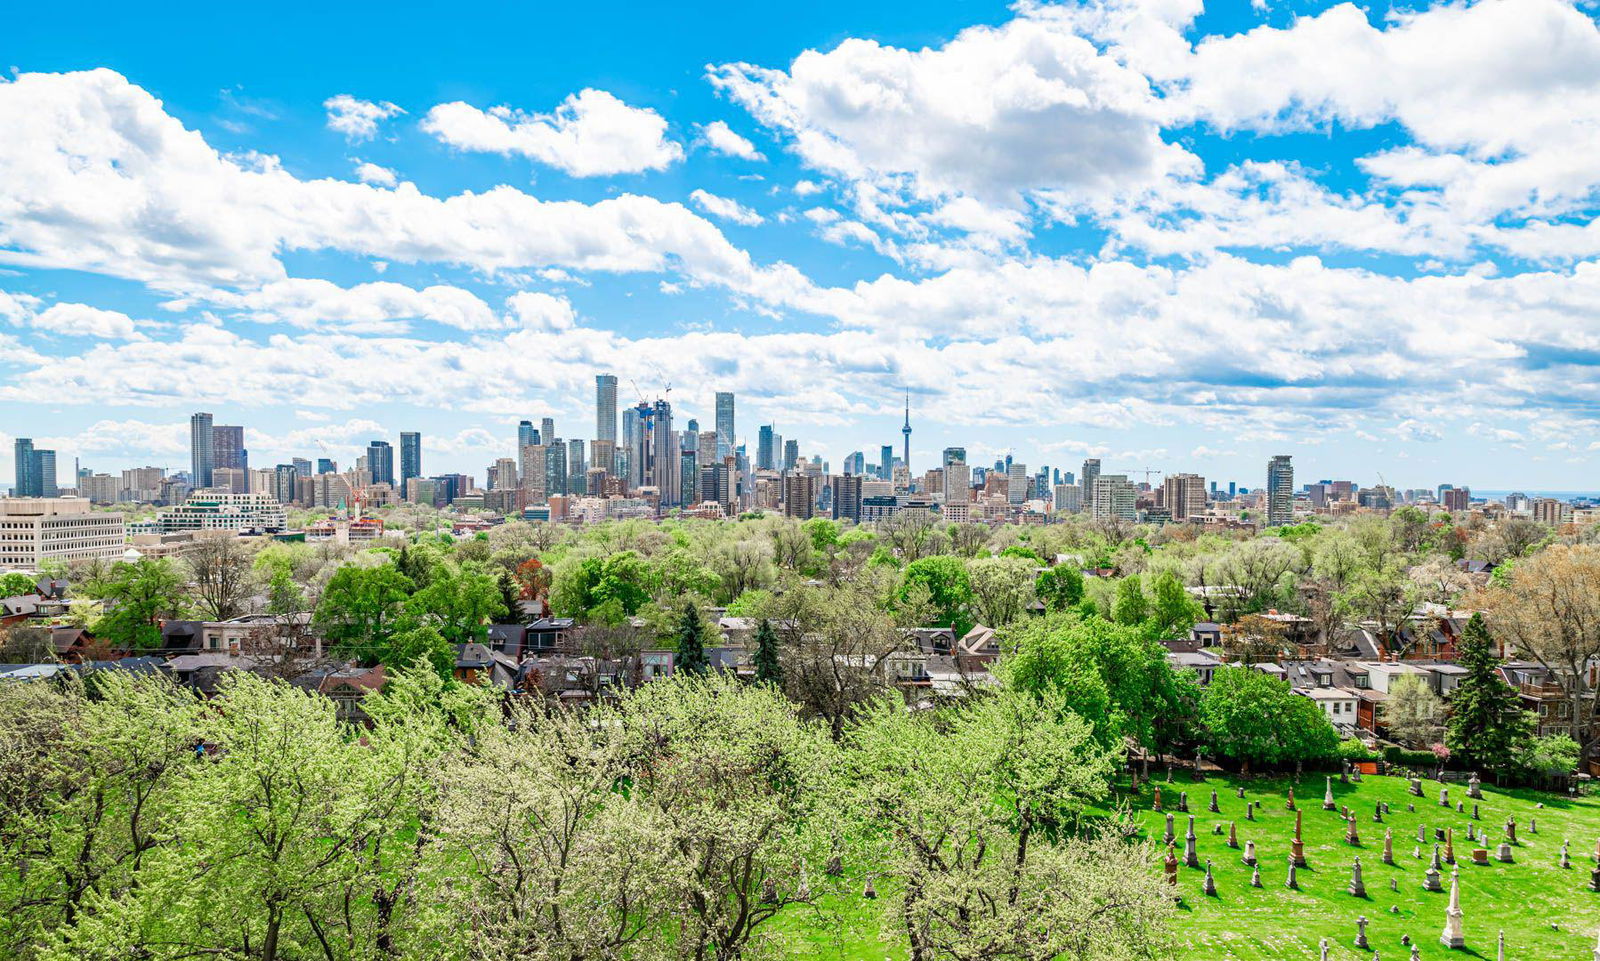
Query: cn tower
x,y
906,431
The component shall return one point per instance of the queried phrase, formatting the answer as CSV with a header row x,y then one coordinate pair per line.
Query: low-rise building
x,y
218,510
34,530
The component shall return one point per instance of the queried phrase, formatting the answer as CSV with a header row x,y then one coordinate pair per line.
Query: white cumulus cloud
x,y
591,134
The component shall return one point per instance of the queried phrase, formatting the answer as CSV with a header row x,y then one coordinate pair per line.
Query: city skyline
x,y
1103,239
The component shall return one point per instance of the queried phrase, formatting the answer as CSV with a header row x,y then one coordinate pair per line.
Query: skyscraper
x,y
791,454
380,462
605,407
1091,470
410,457
724,423
526,434
1016,483
886,462
227,448
1280,491
764,455
1184,495
547,431
27,482
555,467
202,450
905,461
326,465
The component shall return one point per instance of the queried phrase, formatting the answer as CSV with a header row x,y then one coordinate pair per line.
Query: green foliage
x,y
135,597
582,588
824,533
768,664
948,586
17,585
460,603
361,610
1112,675
1254,718
1131,608
1172,612
1060,587
1555,754
690,636
1352,749
1487,723
1023,551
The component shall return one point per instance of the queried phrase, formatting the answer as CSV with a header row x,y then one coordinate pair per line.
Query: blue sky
x,y
1170,235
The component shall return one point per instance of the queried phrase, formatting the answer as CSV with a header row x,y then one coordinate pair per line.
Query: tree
x,y
136,598
768,665
1254,718
273,854
1548,609
1060,587
1486,722
460,602
836,649
1114,676
1130,608
1254,638
1001,588
361,609
1386,598
690,635
1173,613
537,855
968,816
949,589
740,789
1413,714
15,584
221,574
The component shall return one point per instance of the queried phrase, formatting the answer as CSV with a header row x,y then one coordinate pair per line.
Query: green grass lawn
x,y
1272,922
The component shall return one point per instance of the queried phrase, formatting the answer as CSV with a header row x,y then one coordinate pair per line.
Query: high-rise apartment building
x,y
725,426
1280,491
605,407
1091,471
283,483
764,453
1069,498
799,496
689,477
380,462
547,430
326,465
847,497
35,470
202,450
526,434
1184,495
1457,499
1016,483
555,468
1114,497
227,448
791,454
410,457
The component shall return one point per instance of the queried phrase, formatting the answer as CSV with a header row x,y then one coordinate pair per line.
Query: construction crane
x,y
1146,471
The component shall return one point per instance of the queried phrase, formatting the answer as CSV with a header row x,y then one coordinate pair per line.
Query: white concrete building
x,y
218,510
34,529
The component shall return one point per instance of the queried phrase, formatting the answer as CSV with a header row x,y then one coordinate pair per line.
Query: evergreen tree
x,y
1487,726
768,670
691,642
